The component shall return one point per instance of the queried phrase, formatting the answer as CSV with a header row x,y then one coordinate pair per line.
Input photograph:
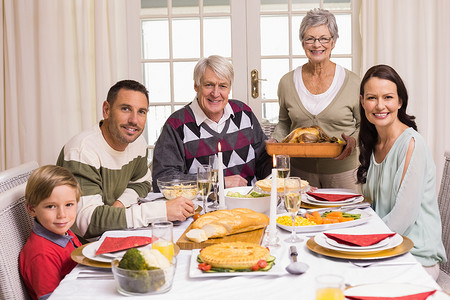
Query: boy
x,y
51,197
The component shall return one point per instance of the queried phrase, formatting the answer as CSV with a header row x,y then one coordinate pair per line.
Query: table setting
x,y
368,258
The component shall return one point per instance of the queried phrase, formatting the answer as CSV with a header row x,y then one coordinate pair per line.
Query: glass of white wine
x,y
283,165
204,183
214,164
292,200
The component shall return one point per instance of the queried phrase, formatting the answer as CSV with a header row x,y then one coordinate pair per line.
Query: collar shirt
x,y
201,117
60,240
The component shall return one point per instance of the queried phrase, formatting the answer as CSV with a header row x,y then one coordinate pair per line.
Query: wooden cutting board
x,y
254,236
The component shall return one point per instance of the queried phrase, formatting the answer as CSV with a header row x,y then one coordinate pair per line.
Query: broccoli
x,y
133,260
140,282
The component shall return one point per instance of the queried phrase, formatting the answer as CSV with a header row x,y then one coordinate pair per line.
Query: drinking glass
x,y
204,183
214,164
292,200
283,166
163,232
329,287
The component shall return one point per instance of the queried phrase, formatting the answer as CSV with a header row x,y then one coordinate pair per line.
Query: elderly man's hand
x,y
235,181
271,140
179,209
117,203
348,149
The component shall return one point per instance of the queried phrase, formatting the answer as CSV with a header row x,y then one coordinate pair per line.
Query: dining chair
x,y
444,209
17,175
16,226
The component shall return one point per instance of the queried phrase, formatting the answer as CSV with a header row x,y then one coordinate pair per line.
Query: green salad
x,y
251,195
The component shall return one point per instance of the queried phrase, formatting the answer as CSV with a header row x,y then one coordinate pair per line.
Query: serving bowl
x,y
258,204
178,185
143,282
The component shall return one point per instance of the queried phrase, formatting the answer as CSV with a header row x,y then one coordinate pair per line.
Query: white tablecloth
x,y
285,286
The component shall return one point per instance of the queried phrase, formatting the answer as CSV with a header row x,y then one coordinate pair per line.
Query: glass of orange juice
x,y
163,233
330,287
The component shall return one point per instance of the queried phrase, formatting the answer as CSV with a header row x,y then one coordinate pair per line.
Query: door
x,y
258,36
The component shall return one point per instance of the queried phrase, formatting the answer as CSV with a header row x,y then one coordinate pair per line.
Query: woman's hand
x,y
348,149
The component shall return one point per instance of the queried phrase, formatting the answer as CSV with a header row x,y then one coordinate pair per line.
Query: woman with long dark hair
x,y
397,170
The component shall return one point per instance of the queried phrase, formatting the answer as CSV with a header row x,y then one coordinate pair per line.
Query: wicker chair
x,y
444,208
16,226
15,176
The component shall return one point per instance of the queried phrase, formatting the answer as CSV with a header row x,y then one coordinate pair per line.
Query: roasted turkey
x,y
313,134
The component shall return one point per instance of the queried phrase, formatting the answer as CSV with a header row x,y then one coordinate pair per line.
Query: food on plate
x,y
331,217
266,185
315,218
313,134
251,195
299,221
180,190
235,256
226,222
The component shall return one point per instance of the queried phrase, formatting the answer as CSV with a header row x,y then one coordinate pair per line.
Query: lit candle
x,y
273,202
221,180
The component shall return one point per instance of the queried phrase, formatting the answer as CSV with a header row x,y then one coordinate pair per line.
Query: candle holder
x,y
271,240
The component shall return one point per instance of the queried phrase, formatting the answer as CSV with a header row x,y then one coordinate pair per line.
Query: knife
x,y
342,208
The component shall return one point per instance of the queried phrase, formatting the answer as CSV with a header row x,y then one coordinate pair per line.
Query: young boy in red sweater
x,y
51,197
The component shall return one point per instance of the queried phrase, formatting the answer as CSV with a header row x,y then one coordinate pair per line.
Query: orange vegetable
x,y
335,214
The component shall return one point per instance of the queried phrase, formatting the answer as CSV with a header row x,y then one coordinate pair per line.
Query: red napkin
x,y
362,240
420,296
113,244
331,197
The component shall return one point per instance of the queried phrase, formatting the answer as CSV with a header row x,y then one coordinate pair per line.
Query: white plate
x,y
194,272
339,245
120,254
393,290
331,203
394,241
347,201
365,217
89,252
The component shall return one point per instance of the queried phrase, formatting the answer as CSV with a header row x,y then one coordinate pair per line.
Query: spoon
x,y
296,267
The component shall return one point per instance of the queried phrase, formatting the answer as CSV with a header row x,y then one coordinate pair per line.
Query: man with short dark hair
x,y
110,162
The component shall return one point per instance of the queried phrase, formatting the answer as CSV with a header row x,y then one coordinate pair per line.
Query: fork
x,y
375,264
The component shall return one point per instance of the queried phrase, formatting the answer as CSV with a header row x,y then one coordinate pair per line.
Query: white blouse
x,y
316,103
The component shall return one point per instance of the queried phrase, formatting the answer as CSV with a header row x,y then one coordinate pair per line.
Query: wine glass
x,y
292,200
283,171
204,182
214,164
283,165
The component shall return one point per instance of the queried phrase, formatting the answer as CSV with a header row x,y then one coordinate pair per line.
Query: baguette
x,y
226,222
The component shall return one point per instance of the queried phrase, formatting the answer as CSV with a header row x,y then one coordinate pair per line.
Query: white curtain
x,y
413,36
59,59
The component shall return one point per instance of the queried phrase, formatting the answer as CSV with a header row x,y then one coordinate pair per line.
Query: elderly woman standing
x,y
321,93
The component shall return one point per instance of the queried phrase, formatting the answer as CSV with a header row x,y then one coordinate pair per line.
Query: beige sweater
x,y
340,116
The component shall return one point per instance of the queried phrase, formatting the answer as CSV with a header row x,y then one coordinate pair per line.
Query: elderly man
x,y
191,134
110,163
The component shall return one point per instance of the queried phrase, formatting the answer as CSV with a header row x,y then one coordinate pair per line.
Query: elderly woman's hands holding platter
x,y
349,147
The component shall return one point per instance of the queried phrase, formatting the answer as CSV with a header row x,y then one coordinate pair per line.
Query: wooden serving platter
x,y
254,236
314,150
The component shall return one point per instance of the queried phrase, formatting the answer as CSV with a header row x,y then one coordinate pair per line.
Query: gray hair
x,y
316,17
220,65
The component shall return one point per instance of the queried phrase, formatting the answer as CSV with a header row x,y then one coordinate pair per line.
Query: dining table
x,y
275,284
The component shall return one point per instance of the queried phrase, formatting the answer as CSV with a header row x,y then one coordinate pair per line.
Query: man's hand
x,y
179,209
271,140
117,203
348,149
235,181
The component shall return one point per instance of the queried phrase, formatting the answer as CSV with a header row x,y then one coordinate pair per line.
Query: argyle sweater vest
x,y
236,140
